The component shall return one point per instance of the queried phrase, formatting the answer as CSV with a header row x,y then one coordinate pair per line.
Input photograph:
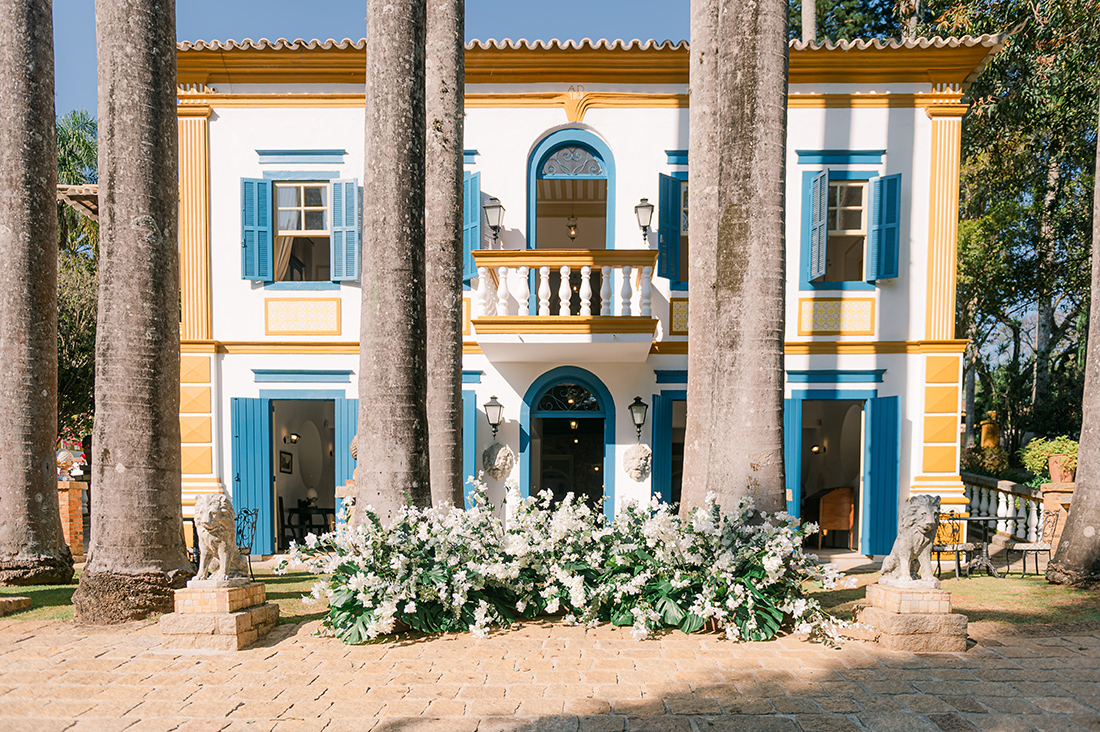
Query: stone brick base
x,y
913,620
70,502
219,618
11,604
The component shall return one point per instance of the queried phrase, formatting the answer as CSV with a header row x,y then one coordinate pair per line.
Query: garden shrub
x,y
991,461
1035,454
445,569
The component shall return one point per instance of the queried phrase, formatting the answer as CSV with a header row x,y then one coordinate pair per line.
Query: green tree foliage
x,y
849,19
77,278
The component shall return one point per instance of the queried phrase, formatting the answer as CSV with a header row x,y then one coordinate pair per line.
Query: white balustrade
x,y
625,294
1033,521
565,293
544,291
1002,512
481,300
586,290
1021,518
605,291
523,292
502,290
647,292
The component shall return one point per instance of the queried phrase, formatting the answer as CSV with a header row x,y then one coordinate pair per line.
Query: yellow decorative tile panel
x,y
196,459
195,429
678,316
466,316
302,316
939,460
195,399
940,399
195,369
941,370
836,316
941,429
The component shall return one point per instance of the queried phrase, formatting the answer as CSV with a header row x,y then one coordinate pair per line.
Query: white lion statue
x,y
909,563
219,557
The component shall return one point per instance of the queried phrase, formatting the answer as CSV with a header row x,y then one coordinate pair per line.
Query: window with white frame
x,y
847,229
853,232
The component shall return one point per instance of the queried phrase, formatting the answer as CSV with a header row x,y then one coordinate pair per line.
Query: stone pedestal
x,y
11,604
70,499
226,618
913,619
1057,497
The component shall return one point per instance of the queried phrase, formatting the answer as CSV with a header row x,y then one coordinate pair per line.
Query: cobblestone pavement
x,y
537,676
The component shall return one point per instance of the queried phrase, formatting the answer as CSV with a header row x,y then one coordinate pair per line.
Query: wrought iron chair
x,y
949,540
1041,544
246,534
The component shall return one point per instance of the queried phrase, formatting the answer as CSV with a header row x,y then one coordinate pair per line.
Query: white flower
x,y
410,608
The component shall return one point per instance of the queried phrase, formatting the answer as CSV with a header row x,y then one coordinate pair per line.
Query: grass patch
x,y
49,602
287,590
1009,600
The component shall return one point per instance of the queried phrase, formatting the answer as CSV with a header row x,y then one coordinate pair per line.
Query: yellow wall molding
x,y
194,399
466,316
204,346
941,399
943,226
194,226
194,369
197,458
493,258
195,428
550,324
941,429
302,316
939,459
471,348
836,316
941,370
193,110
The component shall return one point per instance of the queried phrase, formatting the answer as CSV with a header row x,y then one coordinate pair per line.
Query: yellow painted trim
x,y
941,370
943,226
939,459
194,227
493,258
204,346
941,429
197,458
300,100
194,399
321,331
471,348
202,111
805,348
194,369
347,65
572,324
946,109
668,348
276,347
195,428
811,301
941,399
466,316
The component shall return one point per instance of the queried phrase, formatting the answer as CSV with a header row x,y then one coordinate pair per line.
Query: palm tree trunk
x,y
445,83
393,432
809,21
1077,560
137,556
32,548
734,440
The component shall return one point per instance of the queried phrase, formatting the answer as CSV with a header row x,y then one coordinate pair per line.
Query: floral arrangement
x,y
446,569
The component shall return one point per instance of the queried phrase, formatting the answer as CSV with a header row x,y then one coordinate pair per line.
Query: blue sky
x,y
74,27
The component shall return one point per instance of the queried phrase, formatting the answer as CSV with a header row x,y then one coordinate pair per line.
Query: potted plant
x,y
1058,456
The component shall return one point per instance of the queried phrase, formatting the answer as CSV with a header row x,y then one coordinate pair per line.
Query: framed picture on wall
x,y
286,462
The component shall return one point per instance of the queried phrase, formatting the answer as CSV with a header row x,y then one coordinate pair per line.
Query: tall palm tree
x,y
76,165
137,556
738,76
393,431
445,85
32,547
1077,559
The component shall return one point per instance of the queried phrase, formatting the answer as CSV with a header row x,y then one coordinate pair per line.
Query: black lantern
x,y
494,413
644,212
494,215
637,413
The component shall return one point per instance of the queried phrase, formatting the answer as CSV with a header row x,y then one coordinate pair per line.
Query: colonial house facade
x,y
573,311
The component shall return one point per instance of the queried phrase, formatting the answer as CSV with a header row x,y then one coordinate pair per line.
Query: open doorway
x,y
304,466
832,469
569,457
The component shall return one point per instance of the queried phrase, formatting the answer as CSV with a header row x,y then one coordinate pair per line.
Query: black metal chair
x,y
949,540
246,534
1041,544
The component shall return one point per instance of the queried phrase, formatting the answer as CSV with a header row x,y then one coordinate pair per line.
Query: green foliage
x,y
991,461
849,19
441,570
1035,454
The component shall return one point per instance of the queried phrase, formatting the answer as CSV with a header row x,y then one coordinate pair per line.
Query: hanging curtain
x,y
283,245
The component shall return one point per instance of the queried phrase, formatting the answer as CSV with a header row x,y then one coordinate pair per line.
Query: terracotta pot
x,y
1058,472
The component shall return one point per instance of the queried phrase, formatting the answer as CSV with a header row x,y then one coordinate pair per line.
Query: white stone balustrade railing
x,y
504,282
1018,507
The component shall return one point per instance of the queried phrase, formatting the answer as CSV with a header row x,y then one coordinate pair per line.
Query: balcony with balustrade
x,y
572,305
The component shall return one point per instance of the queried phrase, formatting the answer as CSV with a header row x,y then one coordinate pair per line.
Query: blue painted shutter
x,y
253,477
668,228
347,426
469,441
883,232
471,223
344,242
819,224
256,246
880,480
792,454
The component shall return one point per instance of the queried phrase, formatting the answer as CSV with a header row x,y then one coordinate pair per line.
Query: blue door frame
x,y
881,461
570,375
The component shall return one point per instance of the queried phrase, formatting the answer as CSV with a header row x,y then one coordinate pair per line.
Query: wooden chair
x,y
246,534
836,513
1042,543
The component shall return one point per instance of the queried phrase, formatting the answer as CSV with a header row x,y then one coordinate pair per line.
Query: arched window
x,y
571,192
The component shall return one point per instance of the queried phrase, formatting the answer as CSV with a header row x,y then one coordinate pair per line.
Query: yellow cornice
x,y
945,110
807,348
565,257
568,324
194,110
649,65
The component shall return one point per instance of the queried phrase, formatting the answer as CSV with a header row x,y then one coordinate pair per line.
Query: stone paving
x,y
537,676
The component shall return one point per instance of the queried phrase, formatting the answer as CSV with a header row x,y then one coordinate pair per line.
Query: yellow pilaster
x,y
194,173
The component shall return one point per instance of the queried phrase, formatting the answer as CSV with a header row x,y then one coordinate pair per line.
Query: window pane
x,y
315,196
851,196
287,196
832,219
289,221
851,219
315,220
834,193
